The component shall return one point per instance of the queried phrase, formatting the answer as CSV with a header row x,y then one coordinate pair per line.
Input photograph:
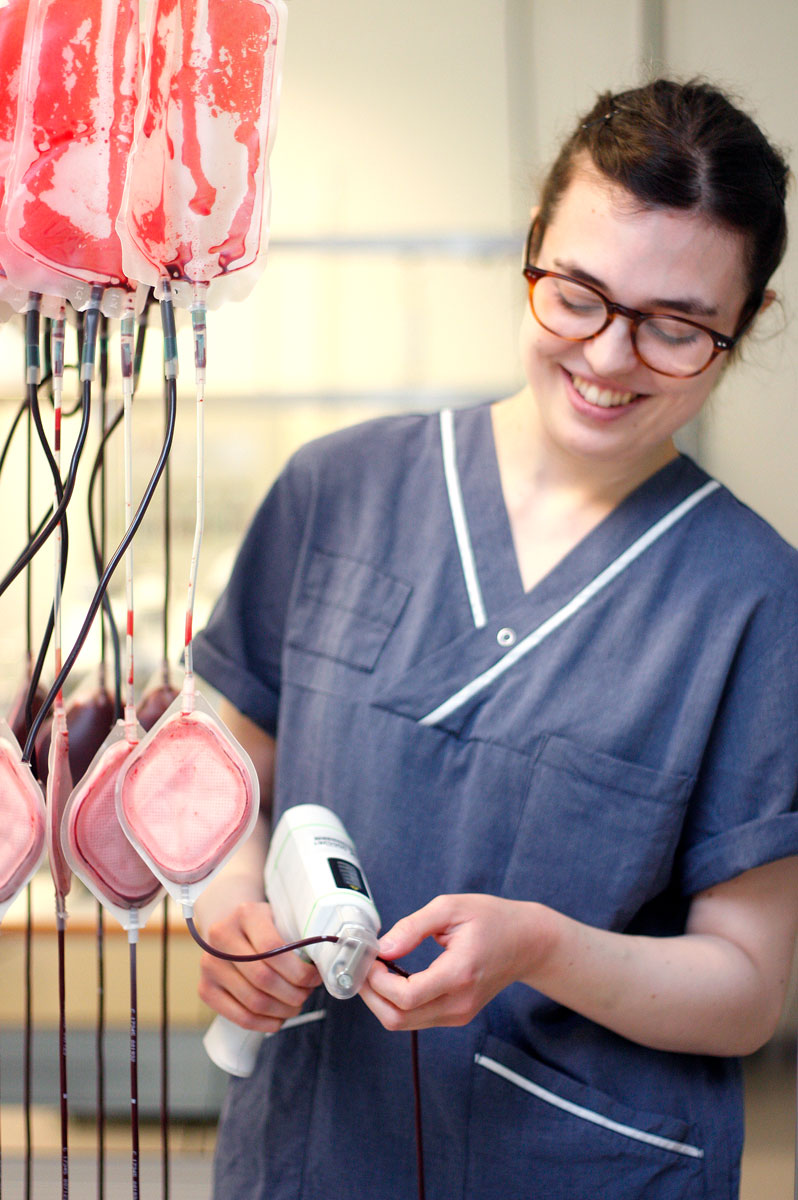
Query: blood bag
x,y
13,15
96,846
196,198
72,139
187,796
22,815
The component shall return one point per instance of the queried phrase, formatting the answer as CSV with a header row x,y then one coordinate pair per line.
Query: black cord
x,y
198,938
164,1106
392,966
97,472
9,436
113,563
134,1074
69,484
88,333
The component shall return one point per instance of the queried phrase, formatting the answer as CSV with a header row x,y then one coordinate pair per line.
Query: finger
x,y
395,1019
435,919
417,989
230,992
251,931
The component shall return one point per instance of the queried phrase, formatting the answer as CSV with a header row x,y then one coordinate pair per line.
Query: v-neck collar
x,y
443,687
488,522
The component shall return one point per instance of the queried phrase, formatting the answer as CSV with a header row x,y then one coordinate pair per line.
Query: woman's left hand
x,y
717,988
482,953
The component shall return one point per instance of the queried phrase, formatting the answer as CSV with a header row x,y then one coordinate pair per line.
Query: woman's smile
x,y
601,395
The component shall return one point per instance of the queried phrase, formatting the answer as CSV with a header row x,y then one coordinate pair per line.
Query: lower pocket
x,y
537,1135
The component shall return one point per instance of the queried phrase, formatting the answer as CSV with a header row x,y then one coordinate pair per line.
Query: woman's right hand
x,y
255,995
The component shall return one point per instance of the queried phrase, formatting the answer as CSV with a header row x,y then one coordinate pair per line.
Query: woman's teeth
x,y
603,397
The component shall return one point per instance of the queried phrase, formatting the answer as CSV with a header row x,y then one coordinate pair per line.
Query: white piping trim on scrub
x,y
568,610
587,1114
457,507
316,1014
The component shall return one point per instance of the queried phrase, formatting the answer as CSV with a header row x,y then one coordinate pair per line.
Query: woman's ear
x,y
532,239
767,299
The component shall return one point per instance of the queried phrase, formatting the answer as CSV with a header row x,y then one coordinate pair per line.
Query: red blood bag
x,y
13,15
77,100
196,197
17,718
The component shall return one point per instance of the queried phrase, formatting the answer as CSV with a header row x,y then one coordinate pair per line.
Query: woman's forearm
x,y
696,993
716,989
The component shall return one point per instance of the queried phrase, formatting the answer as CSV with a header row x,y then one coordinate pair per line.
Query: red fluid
x,y
89,722
186,797
197,189
77,107
16,714
97,841
12,32
154,703
22,820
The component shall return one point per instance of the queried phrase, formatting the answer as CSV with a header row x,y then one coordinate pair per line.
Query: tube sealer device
x,y
316,888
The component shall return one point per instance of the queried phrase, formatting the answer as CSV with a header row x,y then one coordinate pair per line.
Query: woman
x,y
545,670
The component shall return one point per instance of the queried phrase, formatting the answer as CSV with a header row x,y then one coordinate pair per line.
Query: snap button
x,y
506,636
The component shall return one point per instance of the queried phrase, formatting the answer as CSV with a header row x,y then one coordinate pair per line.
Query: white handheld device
x,y
316,888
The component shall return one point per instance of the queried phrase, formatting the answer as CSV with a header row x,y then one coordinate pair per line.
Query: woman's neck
x,y
553,499
531,464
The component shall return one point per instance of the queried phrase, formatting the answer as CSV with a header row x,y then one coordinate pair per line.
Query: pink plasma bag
x,y
13,14
73,134
95,845
22,817
187,796
196,198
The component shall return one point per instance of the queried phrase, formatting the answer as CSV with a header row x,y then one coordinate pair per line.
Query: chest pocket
x,y
345,609
602,833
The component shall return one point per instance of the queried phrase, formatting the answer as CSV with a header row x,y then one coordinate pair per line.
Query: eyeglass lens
x,y
574,311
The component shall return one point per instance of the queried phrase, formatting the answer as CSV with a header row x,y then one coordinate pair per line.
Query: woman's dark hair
x,y
684,145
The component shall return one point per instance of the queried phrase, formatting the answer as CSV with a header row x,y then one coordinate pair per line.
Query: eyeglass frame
x,y
720,341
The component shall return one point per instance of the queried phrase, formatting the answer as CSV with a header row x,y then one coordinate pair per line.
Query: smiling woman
x,y
544,669
595,393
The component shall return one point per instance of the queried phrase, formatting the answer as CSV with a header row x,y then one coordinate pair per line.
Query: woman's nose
x,y
612,350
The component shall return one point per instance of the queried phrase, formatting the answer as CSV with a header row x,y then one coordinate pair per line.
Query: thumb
x,y
411,930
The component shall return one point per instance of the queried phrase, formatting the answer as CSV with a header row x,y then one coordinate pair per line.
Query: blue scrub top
x,y
616,739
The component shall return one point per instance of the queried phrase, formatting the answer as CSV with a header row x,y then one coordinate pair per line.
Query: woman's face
x,y
596,400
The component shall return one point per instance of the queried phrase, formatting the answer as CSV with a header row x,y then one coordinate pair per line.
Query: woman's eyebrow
x,y
690,306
